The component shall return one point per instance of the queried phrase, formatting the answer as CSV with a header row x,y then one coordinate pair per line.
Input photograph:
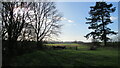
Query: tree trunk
x,y
104,31
105,42
37,42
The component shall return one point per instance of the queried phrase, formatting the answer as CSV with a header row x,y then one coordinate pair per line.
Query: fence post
x,y
76,47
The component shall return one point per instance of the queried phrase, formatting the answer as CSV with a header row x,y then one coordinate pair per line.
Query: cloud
x,y
65,19
113,18
70,21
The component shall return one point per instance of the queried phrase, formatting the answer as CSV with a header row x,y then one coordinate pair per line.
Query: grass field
x,y
68,58
71,45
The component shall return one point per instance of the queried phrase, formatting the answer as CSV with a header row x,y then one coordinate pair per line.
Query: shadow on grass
x,y
67,58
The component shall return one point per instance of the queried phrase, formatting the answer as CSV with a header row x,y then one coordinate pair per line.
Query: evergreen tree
x,y
98,21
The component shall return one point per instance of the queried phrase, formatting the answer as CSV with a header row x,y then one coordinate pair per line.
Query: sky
x,y
73,20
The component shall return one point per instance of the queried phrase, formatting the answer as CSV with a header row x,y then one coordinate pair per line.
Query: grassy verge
x,y
67,57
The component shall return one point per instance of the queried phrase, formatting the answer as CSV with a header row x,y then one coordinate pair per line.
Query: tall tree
x,y
13,20
98,21
45,20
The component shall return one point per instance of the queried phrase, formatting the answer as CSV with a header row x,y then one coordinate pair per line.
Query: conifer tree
x,y
98,21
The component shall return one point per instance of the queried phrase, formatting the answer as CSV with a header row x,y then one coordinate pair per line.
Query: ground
x,y
106,56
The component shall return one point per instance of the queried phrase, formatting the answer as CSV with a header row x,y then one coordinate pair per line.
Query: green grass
x,y
68,57
73,44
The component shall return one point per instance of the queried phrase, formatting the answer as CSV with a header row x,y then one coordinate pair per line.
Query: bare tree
x,y
45,20
13,21
29,21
